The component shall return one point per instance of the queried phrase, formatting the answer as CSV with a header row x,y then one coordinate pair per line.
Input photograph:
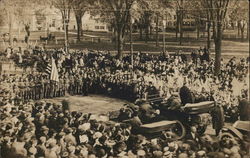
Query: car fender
x,y
230,131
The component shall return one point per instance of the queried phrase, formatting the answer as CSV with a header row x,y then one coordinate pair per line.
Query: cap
x,y
141,153
84,138
44,128
157,154
97,135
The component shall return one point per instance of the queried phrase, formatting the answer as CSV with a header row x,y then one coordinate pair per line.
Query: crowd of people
x,y
31,128
86,71
44,129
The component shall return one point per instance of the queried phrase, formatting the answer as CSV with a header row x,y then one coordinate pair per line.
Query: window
x,y
102,27
97,27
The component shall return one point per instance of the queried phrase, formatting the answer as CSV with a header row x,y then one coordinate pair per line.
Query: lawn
x,y
190,43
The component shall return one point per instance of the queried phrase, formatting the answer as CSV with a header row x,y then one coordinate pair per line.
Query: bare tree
x,y
80,7
65,7
179,19
217,11
119,12
20,12
9,9
158,9
239,13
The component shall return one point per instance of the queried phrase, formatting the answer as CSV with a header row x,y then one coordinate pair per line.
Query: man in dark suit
x,y
185,94
193,139
194,57
218,118
151,90
244,109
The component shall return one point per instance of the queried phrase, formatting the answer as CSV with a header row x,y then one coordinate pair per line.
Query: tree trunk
x,y
147,34
247,30
67,27
177,25
217,56
67,32
79,27
147,24
114,36
198,29
242,34
140,31
157,30
10,17
131,42
217,42
120,41
181,34
181,27
27,29
181,21
242,29
19,32
208,35
238,27
150,31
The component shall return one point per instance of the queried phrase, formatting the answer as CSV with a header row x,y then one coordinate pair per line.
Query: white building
x,y
50,18
89,23
55,22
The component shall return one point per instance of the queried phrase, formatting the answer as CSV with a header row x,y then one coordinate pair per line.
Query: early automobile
x,y
239,130
173,123
196,114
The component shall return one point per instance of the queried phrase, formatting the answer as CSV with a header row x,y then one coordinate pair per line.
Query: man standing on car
x,y
218,118
151,90
185,94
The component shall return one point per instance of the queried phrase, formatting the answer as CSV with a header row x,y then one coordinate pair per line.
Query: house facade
x,y
50,19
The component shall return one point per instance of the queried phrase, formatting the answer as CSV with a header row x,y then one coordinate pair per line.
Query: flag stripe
x,y
48,68
54,73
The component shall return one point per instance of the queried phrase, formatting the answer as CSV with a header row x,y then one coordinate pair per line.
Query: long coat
x,y
218,118
244,110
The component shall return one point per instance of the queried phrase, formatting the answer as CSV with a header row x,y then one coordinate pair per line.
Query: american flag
x,y
48,68
51,69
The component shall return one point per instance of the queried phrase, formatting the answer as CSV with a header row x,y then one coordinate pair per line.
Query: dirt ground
x,y
94,104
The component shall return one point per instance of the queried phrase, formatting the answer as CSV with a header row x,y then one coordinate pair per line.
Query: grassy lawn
x,y
189,42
